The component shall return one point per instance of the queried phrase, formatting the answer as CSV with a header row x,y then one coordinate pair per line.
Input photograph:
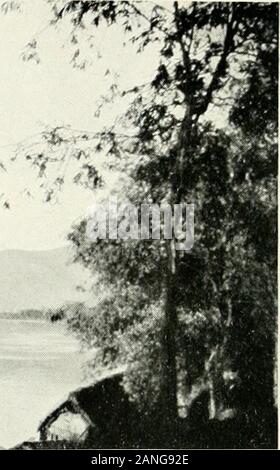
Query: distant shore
x,y
23,315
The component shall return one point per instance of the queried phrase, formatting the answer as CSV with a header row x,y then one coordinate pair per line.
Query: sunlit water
x,y
39,365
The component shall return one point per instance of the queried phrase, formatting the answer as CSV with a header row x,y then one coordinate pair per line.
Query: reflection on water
x,y
39,365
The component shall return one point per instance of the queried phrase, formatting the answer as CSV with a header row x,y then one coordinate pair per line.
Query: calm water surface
x,y
39,365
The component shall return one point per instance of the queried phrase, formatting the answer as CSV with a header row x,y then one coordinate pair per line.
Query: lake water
x,y
39,365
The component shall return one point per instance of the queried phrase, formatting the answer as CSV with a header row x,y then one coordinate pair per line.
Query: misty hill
x,y
38,279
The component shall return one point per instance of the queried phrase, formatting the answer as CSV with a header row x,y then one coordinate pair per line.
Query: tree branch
x,y
221,66
185,54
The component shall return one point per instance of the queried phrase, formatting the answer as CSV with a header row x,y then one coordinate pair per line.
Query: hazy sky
x,y
52,93
49,93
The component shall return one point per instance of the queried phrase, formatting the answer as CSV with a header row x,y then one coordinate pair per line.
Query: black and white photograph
x,y
138,225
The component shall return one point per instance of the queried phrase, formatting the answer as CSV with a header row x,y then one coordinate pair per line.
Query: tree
x,y
207,53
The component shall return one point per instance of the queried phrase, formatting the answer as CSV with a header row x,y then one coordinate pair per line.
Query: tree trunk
x,y
169,366
169,374
169,343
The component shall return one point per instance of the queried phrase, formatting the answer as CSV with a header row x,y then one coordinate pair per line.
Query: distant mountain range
x,y
39,279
